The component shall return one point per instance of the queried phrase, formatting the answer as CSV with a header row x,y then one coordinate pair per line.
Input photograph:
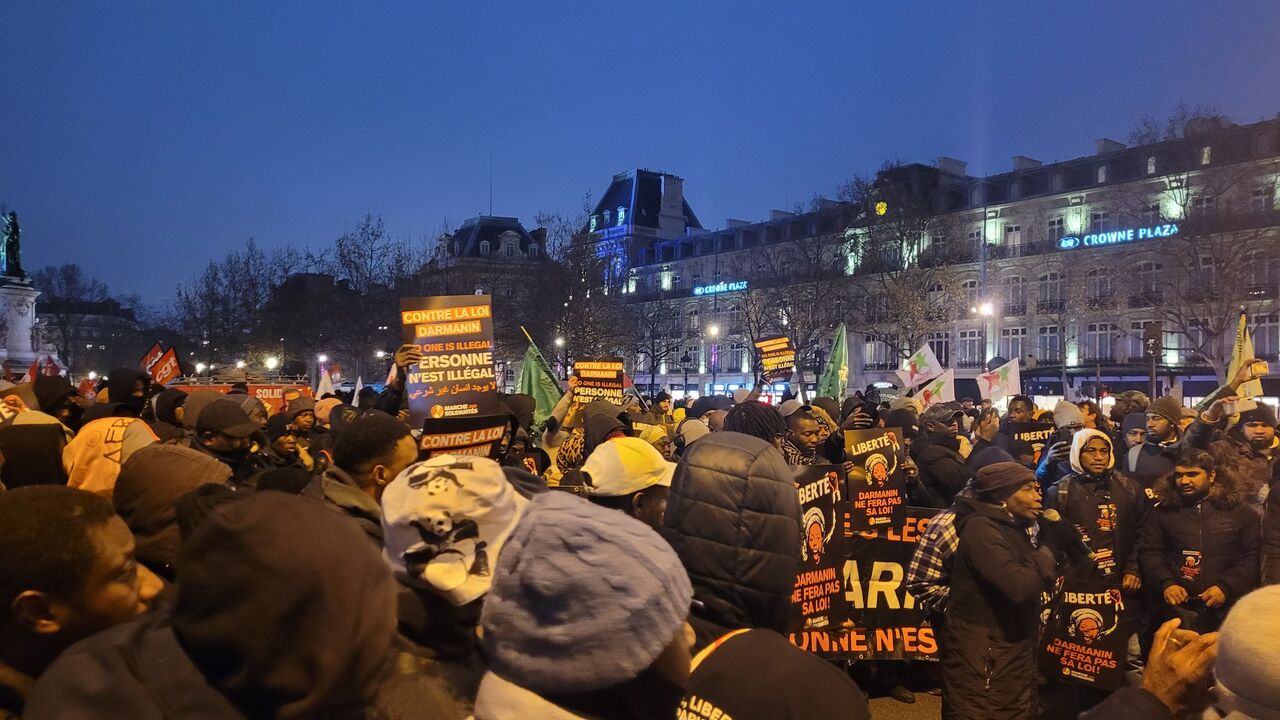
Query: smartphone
x,y
1238,406
1260,368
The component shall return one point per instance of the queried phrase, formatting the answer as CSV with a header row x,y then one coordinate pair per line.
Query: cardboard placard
x,y
817,601
475,435
599,378
1086,639
455,377
886,623
877,485
275,397
166,368
777,358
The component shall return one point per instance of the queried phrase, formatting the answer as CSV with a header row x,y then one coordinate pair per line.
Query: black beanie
x,y
1264,413
998,481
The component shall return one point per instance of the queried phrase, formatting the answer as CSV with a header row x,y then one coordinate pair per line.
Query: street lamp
x,y
272,362
713,356
200,367
685,360
380,354
322,358
240,364
93,375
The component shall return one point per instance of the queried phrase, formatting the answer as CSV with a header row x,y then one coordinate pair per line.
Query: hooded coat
x,y
1085,500
997,578
32,453
120,387
283,612
942,468
146,496
1258,467
1219,534
733,517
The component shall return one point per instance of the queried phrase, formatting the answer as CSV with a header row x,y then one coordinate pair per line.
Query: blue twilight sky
x,y
142,139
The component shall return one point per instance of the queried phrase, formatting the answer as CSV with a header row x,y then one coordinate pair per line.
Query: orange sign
x,y
166,369
273,396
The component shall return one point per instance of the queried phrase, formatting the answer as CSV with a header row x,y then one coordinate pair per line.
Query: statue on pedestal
x,y
11,249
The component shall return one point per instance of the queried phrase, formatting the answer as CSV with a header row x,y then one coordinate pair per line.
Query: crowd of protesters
x,y
174,555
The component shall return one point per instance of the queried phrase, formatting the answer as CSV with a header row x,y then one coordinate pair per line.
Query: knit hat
x,y
660,397
1078,442
653,434
278,426
444,521
1248,656
1166,407
583,598
626,465
1002,479
324,407
1066,414
1133,421
301,405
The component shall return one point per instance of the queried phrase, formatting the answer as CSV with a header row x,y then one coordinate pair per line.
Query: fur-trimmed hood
x,y
1225,493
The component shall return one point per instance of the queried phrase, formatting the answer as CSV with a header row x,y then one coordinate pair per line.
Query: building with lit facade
x,y
1064,265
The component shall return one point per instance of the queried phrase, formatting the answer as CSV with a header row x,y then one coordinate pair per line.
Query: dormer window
x,y
532,251
1206,153
484,248
1101,175
607,215
1151,165
622,215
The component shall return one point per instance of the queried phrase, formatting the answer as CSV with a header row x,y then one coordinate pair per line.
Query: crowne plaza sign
x,y
1117,237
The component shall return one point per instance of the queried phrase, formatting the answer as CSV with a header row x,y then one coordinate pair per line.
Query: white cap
x,y
789,408
740,395
626,465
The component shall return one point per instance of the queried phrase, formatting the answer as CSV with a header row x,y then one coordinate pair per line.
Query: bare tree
x,y
657,332
1149,130
68,296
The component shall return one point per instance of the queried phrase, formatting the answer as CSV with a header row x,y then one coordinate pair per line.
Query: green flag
x,y
834,382
537,381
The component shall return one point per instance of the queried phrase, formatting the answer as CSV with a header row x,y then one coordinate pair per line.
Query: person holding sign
x,y
993,613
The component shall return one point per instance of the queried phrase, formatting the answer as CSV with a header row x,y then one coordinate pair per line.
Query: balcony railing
x,y
878,366
1011,309
1101,302
967,363
1146,299
1048,306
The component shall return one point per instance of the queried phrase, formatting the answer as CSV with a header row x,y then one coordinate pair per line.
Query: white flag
x,y
940,389
326,383
1001,382
355,394
921,367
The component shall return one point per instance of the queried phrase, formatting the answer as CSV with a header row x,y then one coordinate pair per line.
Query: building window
x,y
940,343
1050,292
1266,336
1149,277
1264,198
1012,340
879,355
1049,345
1100,221
1151,214
973,349
608,214
622,214
1206,154
1098,342
1015,295
1101,174
970,292
1012,236
1099,281
484,248
1057,182
1203,203
509,250
532,251
1151,165
1207,274
1056,229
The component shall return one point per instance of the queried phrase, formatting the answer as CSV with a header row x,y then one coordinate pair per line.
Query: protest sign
x,y
1037,435
885,623
1086,639
817,601
274,396
455,377
477,435
877,485
777,358
598,378
150,358
166,369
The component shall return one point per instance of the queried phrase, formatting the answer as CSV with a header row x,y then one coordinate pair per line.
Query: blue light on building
x,y
718,288
1117,237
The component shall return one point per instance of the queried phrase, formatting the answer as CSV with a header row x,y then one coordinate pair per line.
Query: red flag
x,y
51,368
32,371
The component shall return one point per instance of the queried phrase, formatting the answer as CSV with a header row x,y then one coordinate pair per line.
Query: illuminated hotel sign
x,y
720,288
1116,237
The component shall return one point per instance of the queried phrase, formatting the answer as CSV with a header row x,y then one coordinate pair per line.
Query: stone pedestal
x,y
18,310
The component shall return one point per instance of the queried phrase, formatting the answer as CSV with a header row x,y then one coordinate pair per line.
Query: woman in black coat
x,y
988,666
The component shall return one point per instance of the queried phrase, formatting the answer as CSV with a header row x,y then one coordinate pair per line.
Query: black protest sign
x,y
1035,434
886,623
598,378
475,435
455,377
1086,640
777,358
817,601
877,485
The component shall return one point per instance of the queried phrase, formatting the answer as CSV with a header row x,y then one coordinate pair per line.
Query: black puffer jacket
x,y
1219,536
942,469
733,517
993,615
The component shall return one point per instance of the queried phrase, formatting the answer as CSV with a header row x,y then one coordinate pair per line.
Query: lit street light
x,y
559,342
240,364
380,354
200,367
272,362
322,358
93,375
714,331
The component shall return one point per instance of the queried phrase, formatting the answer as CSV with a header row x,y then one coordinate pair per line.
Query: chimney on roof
x,y
671,211
734,223
1022,162
1106,145
952,166
779,214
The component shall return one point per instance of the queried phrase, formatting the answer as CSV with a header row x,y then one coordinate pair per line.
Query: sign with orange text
x,y
273,396
817,600
455,377
885,622
877,484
